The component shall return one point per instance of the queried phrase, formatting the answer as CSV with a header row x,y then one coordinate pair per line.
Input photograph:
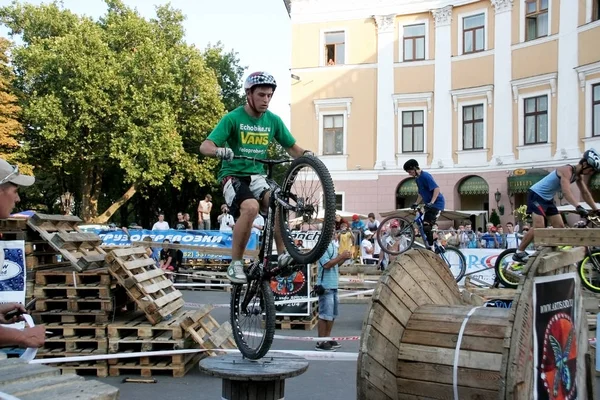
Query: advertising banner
x,y
216,239
480,264
13,274
555,337
294,287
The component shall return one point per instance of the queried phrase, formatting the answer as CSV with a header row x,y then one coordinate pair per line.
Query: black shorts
x,y
536,204
237,189
431,214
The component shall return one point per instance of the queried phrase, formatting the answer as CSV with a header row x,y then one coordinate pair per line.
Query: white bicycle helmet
x,y
592,158
260,78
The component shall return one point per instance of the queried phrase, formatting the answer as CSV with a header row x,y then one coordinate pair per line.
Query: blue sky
x,y
259,30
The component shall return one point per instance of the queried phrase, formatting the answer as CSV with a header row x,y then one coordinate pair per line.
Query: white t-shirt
x,y
260,221
364,246
511,241
160,226
227,223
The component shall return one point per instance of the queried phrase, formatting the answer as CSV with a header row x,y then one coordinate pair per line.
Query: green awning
x,y
595,181
408,188
520,180
473,185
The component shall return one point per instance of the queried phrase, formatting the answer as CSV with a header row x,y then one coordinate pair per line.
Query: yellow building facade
x,y
487,95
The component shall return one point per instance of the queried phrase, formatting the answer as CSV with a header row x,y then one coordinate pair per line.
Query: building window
x,y
473,33
413,131
339,201
596,110
335,47
536,120
333,134
596,10
414,42
536,19
473,127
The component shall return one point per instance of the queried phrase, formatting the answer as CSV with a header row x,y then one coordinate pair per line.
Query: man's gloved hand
x,y
224,153
429,205
582,211
415,206
308,153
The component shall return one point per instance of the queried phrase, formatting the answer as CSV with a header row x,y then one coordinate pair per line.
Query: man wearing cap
x,y
366,248
10,180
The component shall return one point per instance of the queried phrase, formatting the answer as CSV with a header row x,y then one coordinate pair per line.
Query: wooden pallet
x,y
94,368
146,285
287,322
13,224
150,366
45,353
81,249
68,277
34,381
208,278
70,330
137,325
206,331
73,304
54,316
80,291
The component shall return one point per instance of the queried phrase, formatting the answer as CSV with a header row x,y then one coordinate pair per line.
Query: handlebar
x,y
264,161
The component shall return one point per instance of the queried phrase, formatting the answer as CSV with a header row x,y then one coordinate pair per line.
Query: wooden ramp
x,y
36,381
147,285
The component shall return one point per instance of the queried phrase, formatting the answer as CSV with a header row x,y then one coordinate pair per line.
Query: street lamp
x,y
498,197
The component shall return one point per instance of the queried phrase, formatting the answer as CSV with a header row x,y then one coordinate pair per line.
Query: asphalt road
x,y
332,380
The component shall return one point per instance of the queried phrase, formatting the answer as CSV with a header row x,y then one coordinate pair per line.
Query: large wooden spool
x,y
409,341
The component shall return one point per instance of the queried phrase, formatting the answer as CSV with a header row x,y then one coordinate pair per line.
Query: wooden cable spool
x,y
421,340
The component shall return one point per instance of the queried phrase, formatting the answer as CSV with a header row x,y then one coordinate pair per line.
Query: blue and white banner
x,y
480,264
13,274
217,239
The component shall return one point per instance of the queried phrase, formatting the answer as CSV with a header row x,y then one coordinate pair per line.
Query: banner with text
x,y
218,239
13,274
480,264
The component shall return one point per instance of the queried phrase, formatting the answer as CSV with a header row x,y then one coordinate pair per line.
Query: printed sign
x,y
293,287
218,239
13,274
480,264
555,338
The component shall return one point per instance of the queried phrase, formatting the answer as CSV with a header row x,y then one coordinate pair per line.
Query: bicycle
x,y
252,304
396,235
509,271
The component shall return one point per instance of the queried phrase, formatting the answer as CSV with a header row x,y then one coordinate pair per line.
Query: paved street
x,y
340,376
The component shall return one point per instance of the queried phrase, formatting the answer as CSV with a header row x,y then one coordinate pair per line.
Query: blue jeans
x,y
328,305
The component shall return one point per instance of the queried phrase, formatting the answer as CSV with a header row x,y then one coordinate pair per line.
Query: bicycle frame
x,y
436,247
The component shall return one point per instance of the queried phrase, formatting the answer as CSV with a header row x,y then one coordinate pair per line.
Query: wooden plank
x,y
355,269
443,391
131,251
75,239
558,259
139,263
378,383
54,218
437,373
567,237
448,340
466,358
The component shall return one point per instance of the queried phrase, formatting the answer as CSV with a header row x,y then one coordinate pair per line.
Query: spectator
x,y
225,219
372,223
328,277
258,225
345,239
178,257
512,240
161,224
167,258
180,224
357,223
367,250
489,240
188,223
204,208
338,222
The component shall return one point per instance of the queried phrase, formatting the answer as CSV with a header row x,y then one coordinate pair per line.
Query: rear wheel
x,y
253,317
395,235
589,271
508,271
309,195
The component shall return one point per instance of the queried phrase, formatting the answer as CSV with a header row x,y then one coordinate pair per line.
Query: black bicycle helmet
x,y
411,165
592,158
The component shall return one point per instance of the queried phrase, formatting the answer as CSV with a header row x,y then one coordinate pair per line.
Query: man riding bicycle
x,y
540,198
429,193
247,131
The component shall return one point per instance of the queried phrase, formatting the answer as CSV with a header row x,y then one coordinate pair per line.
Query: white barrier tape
x,y
356,280
309,355
29,354
200,305
197,284
457,351
313,338
5,396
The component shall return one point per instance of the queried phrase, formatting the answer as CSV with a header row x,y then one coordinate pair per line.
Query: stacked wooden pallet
x,y
185,330
205,280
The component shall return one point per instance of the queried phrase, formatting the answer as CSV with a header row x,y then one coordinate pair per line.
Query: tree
x,y
10,127
118,100
494,217
229,74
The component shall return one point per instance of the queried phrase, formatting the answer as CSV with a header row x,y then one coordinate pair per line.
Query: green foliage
x,y
521,213
229,74
494,217
120,101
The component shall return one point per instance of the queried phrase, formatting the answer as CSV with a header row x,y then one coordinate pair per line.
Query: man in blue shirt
x,y
327,276
429,193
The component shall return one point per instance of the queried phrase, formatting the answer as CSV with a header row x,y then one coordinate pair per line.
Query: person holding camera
x,y
327,291
225,219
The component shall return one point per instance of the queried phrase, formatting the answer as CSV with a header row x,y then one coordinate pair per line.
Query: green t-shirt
x,y
250,137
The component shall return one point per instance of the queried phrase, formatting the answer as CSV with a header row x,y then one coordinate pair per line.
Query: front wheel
x,y
508,271
589,272
252,317
455,260
395,235
309,197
